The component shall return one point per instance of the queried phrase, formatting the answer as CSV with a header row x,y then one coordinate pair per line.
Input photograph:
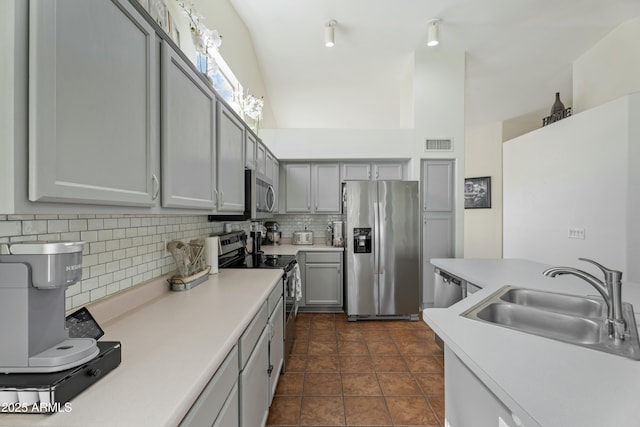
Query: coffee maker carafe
x,y
33,279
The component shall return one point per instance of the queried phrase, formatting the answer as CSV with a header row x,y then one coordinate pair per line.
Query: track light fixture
x,y
433,31
329,33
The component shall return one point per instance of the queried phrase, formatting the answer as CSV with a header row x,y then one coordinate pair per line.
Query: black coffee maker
x,y
256,237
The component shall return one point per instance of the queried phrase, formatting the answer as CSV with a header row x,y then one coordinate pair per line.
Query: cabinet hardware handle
x,y
221,198
270,370
215,197
156,187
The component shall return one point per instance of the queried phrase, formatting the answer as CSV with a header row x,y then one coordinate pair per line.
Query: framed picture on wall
x,y
477,193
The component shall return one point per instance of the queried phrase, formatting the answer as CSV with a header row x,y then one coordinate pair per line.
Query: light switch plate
x,y
576,233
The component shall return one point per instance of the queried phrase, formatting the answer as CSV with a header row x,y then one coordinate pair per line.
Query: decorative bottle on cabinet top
x,y
558,106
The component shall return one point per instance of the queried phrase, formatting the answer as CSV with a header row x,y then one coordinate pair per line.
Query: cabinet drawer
x,y
251,334
207,406
324,256
274,297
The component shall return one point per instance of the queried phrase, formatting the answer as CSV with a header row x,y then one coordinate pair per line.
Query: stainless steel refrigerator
x,y
382,249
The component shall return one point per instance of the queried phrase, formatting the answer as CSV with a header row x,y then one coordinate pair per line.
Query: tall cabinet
x,y
438,220
92,123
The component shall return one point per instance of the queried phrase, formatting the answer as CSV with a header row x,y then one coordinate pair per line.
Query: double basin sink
x,y
568,318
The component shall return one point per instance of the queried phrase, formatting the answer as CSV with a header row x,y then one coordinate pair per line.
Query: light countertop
x,y
544,382
171,346
288,249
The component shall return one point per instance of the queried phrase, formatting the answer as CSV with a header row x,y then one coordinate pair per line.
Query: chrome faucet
x,y
611,291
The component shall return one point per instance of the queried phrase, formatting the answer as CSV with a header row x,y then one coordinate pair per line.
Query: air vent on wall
x,y
438,145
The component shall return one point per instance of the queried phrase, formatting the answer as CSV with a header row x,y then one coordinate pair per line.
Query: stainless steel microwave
x,y
259,199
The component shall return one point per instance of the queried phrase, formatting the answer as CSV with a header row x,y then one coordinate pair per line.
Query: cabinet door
x,y
326,188
250,150
230,170
261,158
229,415
388,171
356,171
188,137
268,171
438,220
276,347
276,185
254,385
323,284
93,109
298,187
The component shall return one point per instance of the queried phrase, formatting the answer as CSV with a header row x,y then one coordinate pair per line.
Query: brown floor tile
x,y
399,324
330,364
389,364
322,348
414,348
427,364
349,334
356,364
323,325
322,411
322,385
300,347
401,384
411,334
431,384
322,335
304,317
354,348
411,411
366,411
376,335
285,411
361,384
302,333
290,383
437,404
296,363
382,348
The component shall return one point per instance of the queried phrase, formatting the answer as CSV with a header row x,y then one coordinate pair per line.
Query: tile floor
x,y
365,373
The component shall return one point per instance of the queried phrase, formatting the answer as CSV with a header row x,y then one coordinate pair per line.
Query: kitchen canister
x,y
211,253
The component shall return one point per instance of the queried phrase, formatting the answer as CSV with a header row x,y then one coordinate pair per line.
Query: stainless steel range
x,y
233,254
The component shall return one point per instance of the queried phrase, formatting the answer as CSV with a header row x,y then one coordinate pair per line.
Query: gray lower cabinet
x,y
323,286
93,104
231,161
188,135
216,402
254,385
276,347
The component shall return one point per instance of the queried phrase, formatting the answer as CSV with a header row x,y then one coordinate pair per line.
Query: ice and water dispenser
x,y
362,240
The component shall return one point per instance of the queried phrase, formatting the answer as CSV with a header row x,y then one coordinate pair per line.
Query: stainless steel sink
x,y
559,303
567,318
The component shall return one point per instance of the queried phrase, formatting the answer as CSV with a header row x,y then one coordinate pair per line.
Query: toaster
x,y
302,238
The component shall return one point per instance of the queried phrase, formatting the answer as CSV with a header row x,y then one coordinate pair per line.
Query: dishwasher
x,y
448,289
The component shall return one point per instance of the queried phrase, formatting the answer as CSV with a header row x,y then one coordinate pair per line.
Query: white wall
x,y
573,173
610,69
483,227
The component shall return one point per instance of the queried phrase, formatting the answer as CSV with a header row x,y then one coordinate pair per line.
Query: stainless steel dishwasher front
x,y
449,289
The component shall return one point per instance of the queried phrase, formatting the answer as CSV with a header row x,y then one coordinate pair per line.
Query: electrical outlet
x,y
576,233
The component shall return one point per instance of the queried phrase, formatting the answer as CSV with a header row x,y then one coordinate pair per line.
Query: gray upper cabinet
x,y
261,158
276,185
298,187
437,194
326,187
188,135
388,171
376,171
231,161
250,145
93,71
269,166
356,171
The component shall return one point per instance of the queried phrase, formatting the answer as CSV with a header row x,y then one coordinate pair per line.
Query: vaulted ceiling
x,y
518,54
